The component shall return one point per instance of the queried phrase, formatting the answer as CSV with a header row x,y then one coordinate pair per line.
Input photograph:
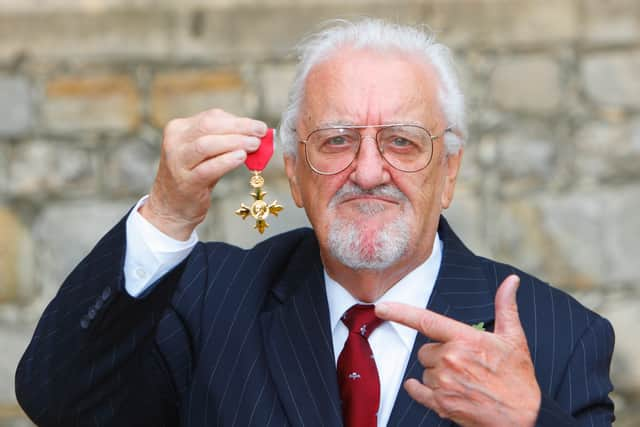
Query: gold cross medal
x,y
256,162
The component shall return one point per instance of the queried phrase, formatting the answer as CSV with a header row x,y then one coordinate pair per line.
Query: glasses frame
x,y
380,129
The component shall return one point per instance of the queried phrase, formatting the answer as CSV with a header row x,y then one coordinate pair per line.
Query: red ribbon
x,y
259,159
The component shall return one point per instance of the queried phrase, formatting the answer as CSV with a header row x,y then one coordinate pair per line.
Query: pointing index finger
x,y
433,325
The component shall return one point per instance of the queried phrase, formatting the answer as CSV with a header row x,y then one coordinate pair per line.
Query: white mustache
x,y
349,190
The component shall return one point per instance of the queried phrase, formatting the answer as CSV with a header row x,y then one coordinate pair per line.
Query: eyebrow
x,y
334,124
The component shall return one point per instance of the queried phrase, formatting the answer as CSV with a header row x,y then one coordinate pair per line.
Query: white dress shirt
x,y
150,254
391,343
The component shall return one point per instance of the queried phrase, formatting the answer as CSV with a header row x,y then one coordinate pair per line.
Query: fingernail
x,y
251,143
240,155
260,128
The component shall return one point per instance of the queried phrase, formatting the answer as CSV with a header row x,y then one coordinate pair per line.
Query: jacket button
x,y
84,323
106,293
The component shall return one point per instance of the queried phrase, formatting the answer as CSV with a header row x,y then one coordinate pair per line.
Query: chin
x,y
368,245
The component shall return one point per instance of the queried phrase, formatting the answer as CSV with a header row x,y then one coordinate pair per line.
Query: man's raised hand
x,y
196,152
473,377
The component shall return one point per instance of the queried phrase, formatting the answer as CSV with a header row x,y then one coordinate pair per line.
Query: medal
x,y
256,162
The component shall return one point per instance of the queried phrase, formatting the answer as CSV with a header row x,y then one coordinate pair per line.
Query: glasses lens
x,y
332,150
407,147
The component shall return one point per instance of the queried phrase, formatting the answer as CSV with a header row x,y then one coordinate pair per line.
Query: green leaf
x,y
479,326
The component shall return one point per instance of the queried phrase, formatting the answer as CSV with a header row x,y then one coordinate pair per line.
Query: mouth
x,y
368,198
370,206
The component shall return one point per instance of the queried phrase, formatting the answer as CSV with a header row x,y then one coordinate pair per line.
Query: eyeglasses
x,y
405,147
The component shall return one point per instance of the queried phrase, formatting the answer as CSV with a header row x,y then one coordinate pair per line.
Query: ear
x,y
452,165
290,169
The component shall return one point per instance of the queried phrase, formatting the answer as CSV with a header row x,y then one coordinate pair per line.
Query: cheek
x,y
317,192
320,189
423,192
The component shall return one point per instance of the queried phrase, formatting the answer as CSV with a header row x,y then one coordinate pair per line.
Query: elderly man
x,y
154,329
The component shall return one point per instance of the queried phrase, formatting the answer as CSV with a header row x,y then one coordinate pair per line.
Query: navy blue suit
x,y
241,337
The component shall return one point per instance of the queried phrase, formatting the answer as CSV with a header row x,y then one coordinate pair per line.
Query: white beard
x,y
361,248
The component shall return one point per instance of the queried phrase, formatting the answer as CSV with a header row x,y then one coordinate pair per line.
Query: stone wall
x,y
550,177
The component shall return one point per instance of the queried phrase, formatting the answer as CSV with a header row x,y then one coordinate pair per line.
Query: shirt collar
x,y
413,289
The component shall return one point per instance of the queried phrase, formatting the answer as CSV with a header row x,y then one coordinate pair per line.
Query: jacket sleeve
x,y
93,358
586,384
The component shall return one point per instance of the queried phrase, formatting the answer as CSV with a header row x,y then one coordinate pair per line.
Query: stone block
x,y
621,226
516,237
64,232
4,169
574,227
611,79
611,21
105,5
471,170
622,311
266,31
184,93
16,107
131,167
91,103
608,151
88,33
221,32
13,417
526,154
15,256
526,159
14,341
41,169
527,83
275,81
466,215
474,70
583,239
627,412
503,23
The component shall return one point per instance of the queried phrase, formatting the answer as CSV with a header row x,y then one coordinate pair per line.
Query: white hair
x,y
383,36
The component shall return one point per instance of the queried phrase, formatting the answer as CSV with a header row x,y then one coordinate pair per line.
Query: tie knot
x,y
361,319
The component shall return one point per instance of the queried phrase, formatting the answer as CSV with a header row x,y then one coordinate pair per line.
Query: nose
x,y
370,169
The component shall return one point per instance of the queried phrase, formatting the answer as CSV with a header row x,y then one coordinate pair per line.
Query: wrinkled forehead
x,y
369,87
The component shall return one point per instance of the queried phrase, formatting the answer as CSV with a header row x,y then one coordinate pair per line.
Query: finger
x,y
209,146
450,355
428,323
430,378
442,381
507,317
218,122
211,170
429,354
420,393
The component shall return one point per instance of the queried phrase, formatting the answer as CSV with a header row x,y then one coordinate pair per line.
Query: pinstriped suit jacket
x,y
237,338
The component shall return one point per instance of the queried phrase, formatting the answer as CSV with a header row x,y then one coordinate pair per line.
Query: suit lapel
x,y
298,342
461,292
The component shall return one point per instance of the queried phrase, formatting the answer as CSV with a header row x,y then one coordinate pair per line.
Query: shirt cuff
x,y
150,253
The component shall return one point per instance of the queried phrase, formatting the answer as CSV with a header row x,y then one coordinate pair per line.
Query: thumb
x,y
507,318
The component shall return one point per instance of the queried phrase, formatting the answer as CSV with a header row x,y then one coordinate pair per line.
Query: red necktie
x,y
357,372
